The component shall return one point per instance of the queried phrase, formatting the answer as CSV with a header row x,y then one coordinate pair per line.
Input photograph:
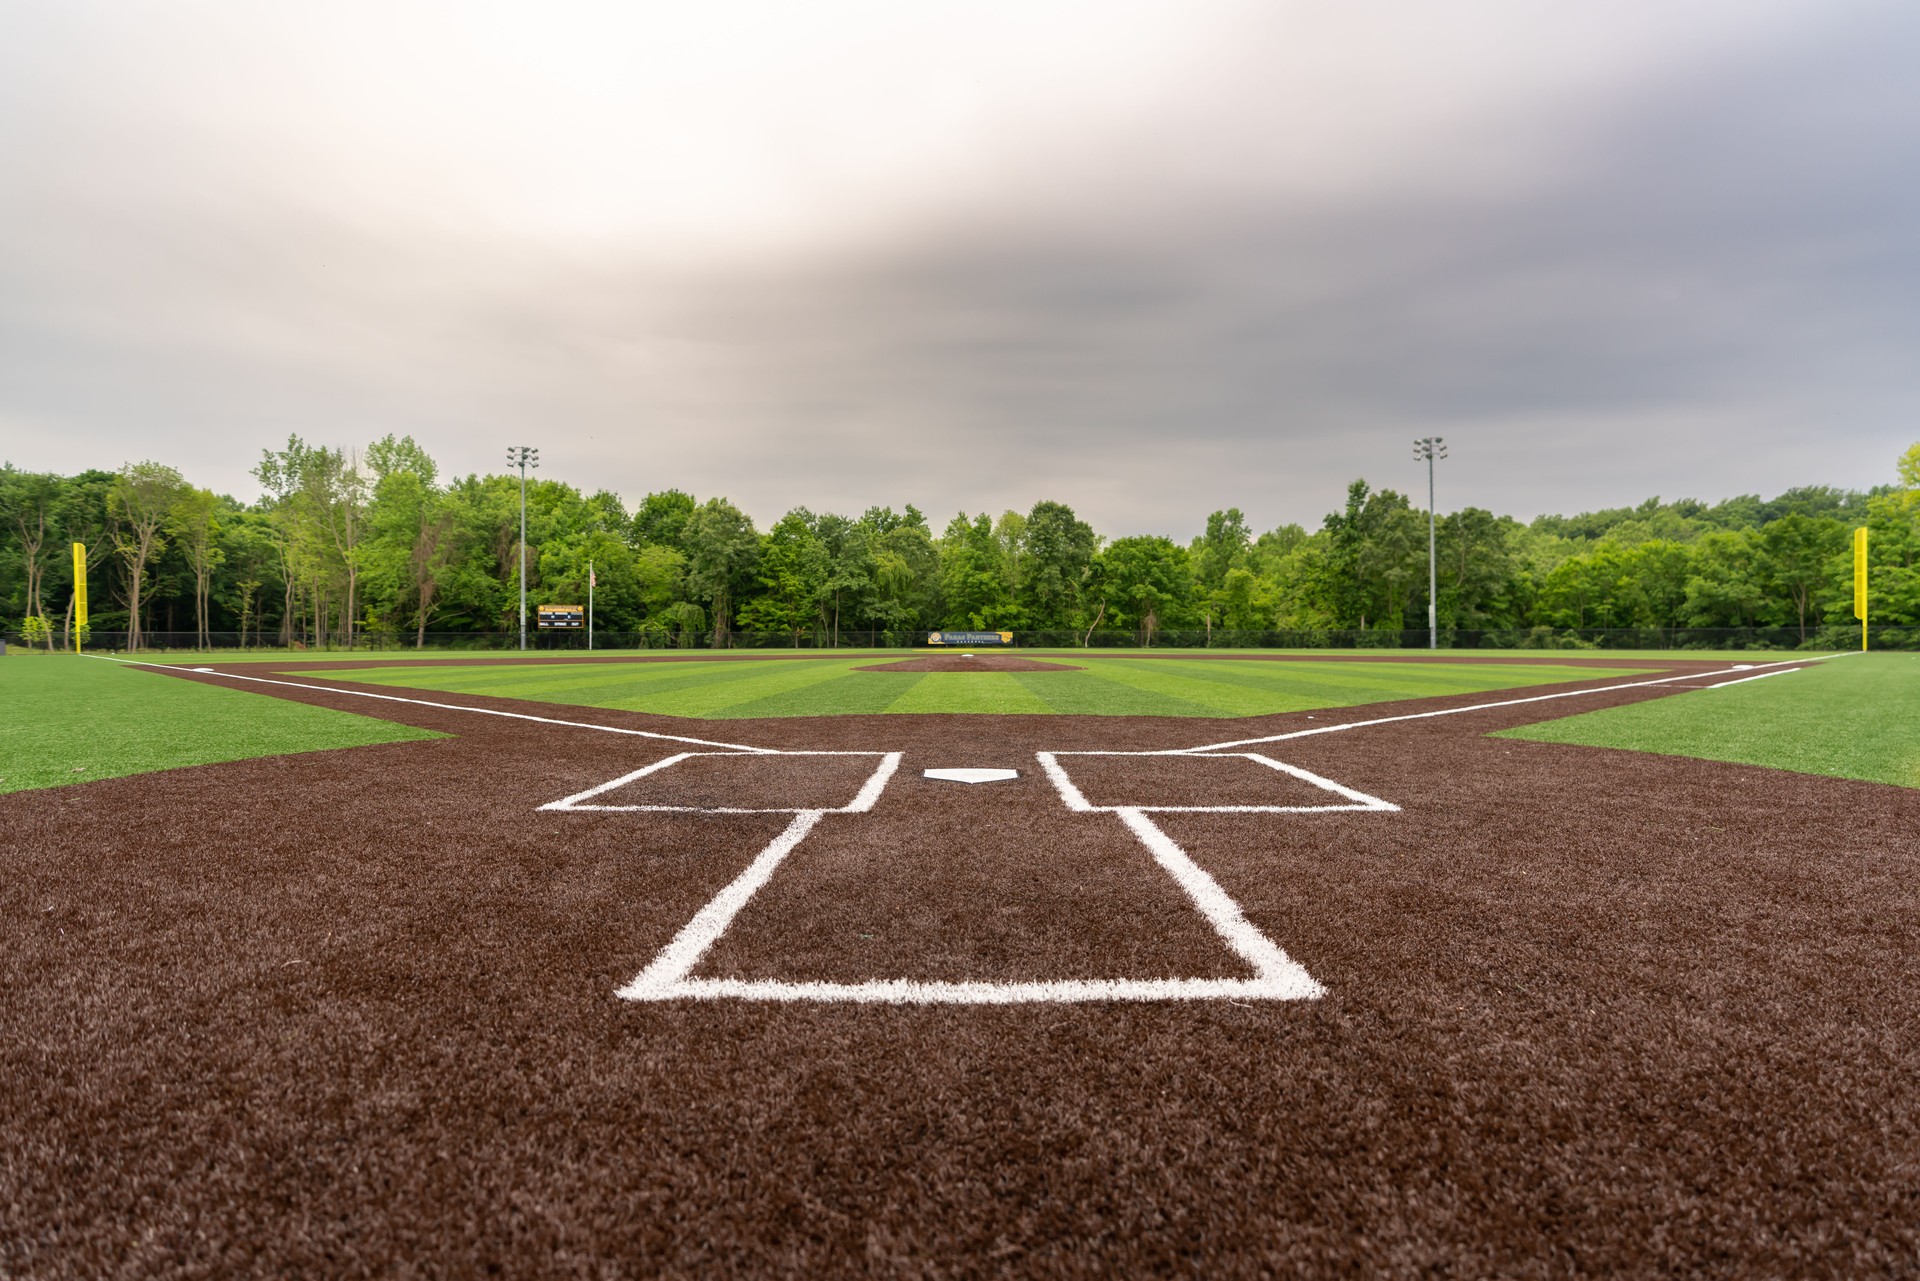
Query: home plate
x,y
972,775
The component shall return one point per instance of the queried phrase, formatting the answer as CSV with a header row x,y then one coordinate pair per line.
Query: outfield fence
x,y
1823,638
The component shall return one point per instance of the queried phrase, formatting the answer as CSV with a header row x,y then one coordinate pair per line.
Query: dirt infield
x,y
969,663
355,1013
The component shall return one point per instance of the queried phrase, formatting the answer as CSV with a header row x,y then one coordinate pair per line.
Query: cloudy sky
x,y
1150,259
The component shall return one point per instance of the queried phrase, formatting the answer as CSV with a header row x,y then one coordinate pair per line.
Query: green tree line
x,y
374,545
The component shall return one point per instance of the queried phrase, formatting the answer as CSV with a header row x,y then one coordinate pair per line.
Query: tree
x,y
141,502
1476,568
196,529
849,564
1375,558
1797,551
721,550
1725,587
1148,581
973,578
1059,553
411,532
906,574
661,520
1221,548
29,500
792,569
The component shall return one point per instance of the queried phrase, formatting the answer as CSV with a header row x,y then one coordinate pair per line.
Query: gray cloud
x,y
1681,264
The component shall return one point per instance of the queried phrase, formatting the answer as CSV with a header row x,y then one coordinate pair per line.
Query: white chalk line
x,y
1076,800
1277,976
679,957
1269,962
863,800
914,992
451,707
1482,707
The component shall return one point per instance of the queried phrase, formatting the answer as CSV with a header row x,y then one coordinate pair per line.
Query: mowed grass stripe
x,y
1107,685
601,685
1370,682
853,694
1090,693
990,692
1171,680
1852,717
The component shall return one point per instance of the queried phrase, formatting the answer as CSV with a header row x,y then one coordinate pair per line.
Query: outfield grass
x,y
72,720
1624,657
1107,686
1856,717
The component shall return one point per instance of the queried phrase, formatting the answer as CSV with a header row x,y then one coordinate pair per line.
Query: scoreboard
x,y
562,616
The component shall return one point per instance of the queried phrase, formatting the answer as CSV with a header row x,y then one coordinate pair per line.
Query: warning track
x,y
359,1011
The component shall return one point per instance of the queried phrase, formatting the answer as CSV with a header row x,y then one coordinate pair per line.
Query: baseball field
x,y
1234,964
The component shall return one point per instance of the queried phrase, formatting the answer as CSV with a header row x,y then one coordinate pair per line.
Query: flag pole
x,y
590,581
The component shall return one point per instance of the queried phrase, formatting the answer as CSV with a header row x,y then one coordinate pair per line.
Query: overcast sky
x,y
1147,259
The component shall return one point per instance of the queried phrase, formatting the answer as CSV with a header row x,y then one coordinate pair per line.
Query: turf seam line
x,y
1785,671
445,707
1482,707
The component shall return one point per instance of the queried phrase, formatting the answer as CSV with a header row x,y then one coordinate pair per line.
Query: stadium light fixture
x,y
522,457
1430,448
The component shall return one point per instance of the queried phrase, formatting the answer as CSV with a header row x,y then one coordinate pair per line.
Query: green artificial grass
x,y
403,657
1107,686
73,720
1855,717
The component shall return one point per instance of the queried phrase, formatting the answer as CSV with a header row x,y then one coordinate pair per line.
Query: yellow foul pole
x,y
1860,581
79,593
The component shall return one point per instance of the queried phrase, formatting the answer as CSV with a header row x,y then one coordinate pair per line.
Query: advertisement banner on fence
x,y
969,638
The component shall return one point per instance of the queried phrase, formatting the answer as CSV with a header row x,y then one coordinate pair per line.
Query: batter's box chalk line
x,y
1277,976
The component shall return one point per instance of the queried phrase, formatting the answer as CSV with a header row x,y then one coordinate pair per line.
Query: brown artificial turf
x,y
353,1014
969,663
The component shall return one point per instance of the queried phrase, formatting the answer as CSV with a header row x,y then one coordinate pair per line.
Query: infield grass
x,y
74,720
1106,686
1855,717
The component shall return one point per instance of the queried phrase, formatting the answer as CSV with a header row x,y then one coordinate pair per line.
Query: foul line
x,y
445,707
1481,707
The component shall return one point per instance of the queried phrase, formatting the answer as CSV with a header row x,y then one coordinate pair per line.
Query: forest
x,y
373,547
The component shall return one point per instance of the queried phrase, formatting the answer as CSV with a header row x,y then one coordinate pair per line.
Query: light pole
x,y
522,457
1430,448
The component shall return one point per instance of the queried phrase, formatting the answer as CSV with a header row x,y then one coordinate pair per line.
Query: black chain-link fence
x,y
1541,638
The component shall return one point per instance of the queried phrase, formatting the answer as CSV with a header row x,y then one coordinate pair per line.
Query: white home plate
x,y
972,775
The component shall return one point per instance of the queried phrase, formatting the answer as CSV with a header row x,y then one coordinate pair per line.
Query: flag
x,y
592,581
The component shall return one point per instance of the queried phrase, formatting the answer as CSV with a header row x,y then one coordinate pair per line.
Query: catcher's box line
x,y
1277,976
1076,800
860,804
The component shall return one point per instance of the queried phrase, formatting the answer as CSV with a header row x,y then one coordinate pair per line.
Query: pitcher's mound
x,y
979,663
